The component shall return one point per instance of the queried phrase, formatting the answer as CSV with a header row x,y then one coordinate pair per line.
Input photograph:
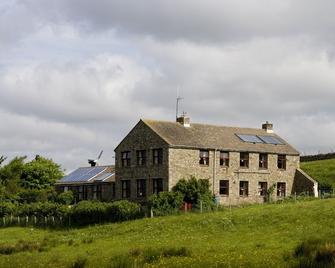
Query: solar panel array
x,y
83,174
259,139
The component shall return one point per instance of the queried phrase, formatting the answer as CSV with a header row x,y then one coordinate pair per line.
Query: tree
x,y
11,173
40,173
2,159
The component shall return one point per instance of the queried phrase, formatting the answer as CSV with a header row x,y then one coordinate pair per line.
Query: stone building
x,y
241,164
89,183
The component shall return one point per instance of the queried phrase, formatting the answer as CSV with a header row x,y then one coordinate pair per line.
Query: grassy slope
x,y
323,171
259,235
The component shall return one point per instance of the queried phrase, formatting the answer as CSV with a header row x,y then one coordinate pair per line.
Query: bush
x,y
166,203
123,210
36,195
7,208
42,209
195,191
65,198
88,212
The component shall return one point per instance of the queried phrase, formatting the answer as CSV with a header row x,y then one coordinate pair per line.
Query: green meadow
x,y
253,236
323,171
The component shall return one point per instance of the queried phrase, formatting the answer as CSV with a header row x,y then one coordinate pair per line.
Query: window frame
x,y
244,160
224,187
141,158
262,191
125,191
204,157
244,189
157,185
281,161
141,188
125,158
263,163
224,161
279,189
157,156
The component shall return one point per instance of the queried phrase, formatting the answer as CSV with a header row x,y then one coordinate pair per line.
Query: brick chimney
x,y
184,120
268,127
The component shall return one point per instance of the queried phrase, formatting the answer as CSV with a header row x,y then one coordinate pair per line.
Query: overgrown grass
x,y
255,236
323,171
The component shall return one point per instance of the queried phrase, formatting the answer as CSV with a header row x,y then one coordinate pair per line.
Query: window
x,y
281,163
224,187
157,186
80,192
125,158
262,188
204,157
281,189
244,188
125,188
244,160
141,157
224,159
141,188
157,156
263,161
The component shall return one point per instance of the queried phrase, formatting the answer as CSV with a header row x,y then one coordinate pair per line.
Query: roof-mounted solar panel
x,y
249,138
83,174
270,140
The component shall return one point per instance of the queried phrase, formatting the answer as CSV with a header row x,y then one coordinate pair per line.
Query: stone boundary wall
x,y
308,158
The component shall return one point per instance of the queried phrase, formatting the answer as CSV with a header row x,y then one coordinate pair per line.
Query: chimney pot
x,y
184,120
268,127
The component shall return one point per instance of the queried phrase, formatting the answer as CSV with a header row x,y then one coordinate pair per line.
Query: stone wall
x,y
184,163
141,138
304,184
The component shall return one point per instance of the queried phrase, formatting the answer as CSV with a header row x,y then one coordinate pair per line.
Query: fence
x,y
34,221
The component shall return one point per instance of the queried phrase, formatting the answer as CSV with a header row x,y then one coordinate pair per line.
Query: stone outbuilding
x,y
243,165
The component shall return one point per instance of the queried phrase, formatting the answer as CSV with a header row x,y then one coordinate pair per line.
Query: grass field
x,y
323,171
254,236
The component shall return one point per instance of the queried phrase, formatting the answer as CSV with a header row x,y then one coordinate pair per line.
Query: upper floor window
x,y
224,187
204,157
141,157
244,188
141,188
224,159
125,158
157,156
125,188
262,188
263,161
157,186
281,189
244,160
281,163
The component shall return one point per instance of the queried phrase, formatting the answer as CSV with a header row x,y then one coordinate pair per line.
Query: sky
x,y
77,75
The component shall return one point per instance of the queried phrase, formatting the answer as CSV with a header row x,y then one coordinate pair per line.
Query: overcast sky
x,y
76,75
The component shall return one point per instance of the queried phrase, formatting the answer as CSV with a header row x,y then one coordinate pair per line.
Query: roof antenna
x,y
177,103
94,162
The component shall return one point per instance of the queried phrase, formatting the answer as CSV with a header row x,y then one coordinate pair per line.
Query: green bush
x,y
7,208
123,210
65,198
42,209
166,203
36,195
88,212
195,191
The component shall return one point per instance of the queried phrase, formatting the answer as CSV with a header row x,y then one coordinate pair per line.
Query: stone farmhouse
x,y
241,164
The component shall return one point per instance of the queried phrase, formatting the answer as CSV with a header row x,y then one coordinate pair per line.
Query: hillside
x,y
323,171
254,236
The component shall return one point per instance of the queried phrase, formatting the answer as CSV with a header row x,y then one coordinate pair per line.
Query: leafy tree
x,y
40,173
11,173
195,191
166,203
2,159
65,198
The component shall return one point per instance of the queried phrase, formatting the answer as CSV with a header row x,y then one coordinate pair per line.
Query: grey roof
x,y
203,136
89,175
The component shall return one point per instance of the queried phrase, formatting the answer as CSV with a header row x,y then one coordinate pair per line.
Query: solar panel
x,y
249,138
83,174
270,140
103,177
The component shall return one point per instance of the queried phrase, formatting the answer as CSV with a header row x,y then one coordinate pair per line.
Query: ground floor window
x,y
141,188
224,187
125,187
281,189
244,188
262,188
157,186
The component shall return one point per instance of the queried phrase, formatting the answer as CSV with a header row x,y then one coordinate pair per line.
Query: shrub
x,y
36,195
41,209
195,191
88,212
7,208
65,198
166,203
123,210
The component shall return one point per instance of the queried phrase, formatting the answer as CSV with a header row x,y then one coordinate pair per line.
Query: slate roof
x,y
89,175
203,136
